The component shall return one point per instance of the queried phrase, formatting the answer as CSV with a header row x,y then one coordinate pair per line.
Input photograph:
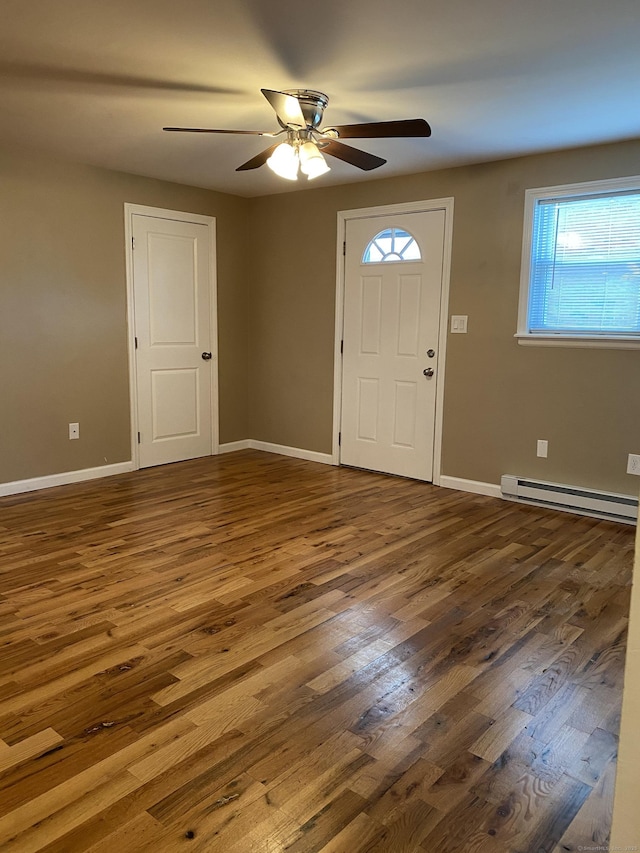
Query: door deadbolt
x,y
431,353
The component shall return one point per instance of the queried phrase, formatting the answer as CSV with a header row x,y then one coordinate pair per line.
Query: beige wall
x,y
63,321
63,332
499,397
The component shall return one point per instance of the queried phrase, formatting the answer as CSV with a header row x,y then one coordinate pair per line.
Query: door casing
x,y
136,209
445,204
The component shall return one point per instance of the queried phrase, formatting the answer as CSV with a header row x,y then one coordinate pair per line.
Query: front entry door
x,y
393,287
173,328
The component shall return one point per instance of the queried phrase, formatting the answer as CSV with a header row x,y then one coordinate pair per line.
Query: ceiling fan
x,y
299,113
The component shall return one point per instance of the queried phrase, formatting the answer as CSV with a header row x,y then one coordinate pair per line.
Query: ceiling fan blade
x,y
361,159
212,130
259,160
381,129
287,108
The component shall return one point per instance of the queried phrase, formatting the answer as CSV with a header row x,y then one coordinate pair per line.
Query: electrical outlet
x,y
633,463
74,430
543,447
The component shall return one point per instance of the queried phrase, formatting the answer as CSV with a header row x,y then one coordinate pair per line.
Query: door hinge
x,y
341,347
133,242
138,438
344,248
136,342
339,439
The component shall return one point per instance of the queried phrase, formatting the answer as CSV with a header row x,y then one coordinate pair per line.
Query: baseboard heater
x,y
570,498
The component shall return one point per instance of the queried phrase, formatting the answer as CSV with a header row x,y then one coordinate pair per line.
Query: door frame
x,y
180,216
344,216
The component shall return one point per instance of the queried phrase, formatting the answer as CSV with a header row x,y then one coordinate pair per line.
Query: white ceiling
x,y
96,80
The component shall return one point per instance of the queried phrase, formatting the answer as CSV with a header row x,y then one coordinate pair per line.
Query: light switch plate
x,y
459,324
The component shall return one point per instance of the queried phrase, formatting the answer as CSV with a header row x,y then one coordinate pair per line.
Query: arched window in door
x,y
392,244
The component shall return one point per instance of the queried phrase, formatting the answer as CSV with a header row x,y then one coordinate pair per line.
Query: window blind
x,y
585,265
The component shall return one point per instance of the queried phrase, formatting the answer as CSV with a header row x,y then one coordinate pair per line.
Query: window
x,y
393,244
580,280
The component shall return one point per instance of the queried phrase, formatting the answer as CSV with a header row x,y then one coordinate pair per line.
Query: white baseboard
x,y
491,490
296,452
19,486
232,446
282,449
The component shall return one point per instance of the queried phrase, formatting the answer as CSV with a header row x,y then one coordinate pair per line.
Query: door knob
x,y
206,356
428,372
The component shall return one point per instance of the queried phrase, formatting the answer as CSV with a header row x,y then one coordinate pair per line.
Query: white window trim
x,y
523,336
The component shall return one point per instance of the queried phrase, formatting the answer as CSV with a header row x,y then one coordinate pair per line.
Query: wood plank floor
x,y
255,653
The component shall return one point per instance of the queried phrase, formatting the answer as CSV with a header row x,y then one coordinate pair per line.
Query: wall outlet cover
x,y
633,463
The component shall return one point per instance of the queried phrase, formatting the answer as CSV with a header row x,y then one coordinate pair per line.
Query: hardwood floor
x,y
255,653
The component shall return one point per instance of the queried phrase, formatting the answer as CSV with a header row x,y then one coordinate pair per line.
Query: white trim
x,y
531,196
131,349
525,339
36,483
337,338
233,446
477,487
442,339
402,207
282,449
19,486
445,204
605,185
296,452
160,213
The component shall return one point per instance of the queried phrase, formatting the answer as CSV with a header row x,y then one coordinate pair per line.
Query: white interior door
x,y
391,335
174,358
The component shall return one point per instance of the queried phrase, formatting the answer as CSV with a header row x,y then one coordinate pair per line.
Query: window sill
x,y
528,340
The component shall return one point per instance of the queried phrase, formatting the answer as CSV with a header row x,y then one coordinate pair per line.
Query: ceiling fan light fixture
x,y
284,162
300,113
312,163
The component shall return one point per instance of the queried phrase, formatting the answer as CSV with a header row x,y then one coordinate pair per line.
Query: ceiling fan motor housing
x,y
312,104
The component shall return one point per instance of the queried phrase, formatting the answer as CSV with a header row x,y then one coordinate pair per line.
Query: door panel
x,y
391,320
371,311
409,319
175,403
173,289
404,428
368,406
173,328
